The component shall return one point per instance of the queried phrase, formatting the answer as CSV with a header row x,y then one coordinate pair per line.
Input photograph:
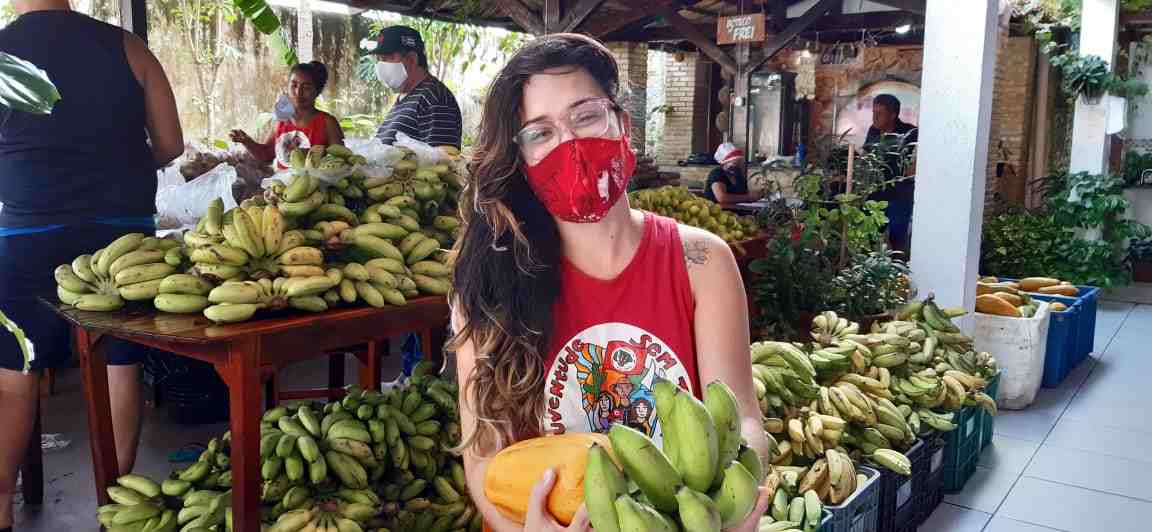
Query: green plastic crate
x,y
987,420
962,449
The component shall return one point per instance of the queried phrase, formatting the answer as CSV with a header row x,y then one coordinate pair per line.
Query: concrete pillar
x,y
304,31
633,60
1098,21
955,115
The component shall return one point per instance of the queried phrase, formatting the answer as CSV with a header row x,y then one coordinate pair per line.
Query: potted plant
x,y
1140,260
869,289
1086,76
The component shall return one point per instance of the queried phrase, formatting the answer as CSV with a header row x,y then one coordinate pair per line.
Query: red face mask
x,y
582,178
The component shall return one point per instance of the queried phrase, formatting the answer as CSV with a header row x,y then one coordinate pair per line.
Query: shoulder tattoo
x,y
696,252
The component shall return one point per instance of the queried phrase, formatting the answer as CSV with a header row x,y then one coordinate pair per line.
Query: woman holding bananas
x,y
72,181
569,306
299,117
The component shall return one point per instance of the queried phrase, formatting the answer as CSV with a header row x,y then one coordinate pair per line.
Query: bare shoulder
x,y
702,249
140,58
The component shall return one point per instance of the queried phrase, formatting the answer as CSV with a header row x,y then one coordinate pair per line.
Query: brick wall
x,y
681,81
1010,137
633,60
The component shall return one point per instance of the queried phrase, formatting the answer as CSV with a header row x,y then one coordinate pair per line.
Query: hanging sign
x,y
740,29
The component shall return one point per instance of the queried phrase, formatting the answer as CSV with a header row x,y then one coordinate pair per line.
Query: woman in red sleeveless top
x,y
305,84
568,304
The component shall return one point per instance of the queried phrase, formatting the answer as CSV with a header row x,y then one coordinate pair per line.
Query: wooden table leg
x,y
336,370
94,371
244,358
271,391
432,346
32,471
370,366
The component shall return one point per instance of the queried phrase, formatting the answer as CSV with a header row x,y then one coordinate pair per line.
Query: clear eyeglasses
x,y
589,119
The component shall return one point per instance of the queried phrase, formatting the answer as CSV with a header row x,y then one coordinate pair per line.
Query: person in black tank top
x,y
70,183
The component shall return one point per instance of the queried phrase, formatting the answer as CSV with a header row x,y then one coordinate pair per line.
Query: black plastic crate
x,y
930,493
962,449
897,510
859,512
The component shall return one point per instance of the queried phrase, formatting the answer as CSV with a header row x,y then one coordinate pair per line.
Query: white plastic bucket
x,y
1018,345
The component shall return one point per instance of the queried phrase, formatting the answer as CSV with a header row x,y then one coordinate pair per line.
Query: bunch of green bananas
x,y
250,242
704,478
138,505
802,512
425,487
130,268
682,205
236,301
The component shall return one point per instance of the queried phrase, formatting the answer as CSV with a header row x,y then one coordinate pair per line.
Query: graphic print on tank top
x,y
605,375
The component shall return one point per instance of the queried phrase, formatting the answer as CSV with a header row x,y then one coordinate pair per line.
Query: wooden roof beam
x,y
578,13
603,26
706,45
523,16
798,25
551,16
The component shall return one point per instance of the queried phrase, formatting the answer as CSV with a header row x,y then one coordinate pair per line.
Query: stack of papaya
x,y
1011,299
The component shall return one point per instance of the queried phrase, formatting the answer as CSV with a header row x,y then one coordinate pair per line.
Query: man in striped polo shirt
x,y
426,110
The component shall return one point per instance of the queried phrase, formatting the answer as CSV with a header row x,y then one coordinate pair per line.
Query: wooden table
x,y
242,354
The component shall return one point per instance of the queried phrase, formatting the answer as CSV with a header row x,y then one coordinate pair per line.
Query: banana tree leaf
x,y
282,47
25,87
21,340
260,13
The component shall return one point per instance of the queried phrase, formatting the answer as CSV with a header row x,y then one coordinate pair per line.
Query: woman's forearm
x,y
752,428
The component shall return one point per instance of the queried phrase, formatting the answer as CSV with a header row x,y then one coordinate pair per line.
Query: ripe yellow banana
x,y
180,303
141,291
302,256
67,279
272,228
144,272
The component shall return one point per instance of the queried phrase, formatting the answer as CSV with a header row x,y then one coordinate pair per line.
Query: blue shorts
x,y
27,261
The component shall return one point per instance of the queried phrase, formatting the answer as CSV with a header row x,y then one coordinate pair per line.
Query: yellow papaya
x,y
990,304
515,469
1033,284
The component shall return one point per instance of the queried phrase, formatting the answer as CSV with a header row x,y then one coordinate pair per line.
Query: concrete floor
x,y
1075,460
69,492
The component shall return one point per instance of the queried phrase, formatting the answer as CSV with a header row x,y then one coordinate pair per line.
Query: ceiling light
x,y
903,29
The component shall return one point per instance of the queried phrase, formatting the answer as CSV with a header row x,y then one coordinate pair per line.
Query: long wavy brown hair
x,y
506,276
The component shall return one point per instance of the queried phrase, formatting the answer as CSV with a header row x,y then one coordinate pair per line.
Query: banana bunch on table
x,y
130,268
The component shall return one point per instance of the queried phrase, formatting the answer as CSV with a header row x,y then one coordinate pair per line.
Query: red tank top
x,y
316,129
614,338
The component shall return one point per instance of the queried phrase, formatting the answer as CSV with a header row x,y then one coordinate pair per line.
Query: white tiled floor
x,y
1076,459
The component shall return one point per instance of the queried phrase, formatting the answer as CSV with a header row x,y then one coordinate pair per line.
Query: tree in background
x,y
203,27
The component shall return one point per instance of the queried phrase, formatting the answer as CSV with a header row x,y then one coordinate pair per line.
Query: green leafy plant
x,y
791,281
875,283
1049,242
1086,76
1135,164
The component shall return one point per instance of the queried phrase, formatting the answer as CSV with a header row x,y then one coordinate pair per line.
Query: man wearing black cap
x,y
426,110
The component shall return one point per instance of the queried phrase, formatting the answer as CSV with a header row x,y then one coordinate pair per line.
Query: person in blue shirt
x,y
70,183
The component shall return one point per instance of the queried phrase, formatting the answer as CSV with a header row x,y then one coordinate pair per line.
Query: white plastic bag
x,y
187,202
1019,345
425,154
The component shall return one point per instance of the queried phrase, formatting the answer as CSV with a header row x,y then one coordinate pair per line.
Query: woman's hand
x,y
539,519
240,136
752,523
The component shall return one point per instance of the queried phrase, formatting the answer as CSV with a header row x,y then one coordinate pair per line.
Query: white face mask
x,y
391,74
